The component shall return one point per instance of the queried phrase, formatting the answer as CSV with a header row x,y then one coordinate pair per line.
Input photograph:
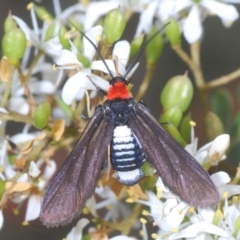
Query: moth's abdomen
x,y
127,156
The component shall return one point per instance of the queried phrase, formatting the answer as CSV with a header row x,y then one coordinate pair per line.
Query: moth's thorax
x,y
118,89
118,110
127,156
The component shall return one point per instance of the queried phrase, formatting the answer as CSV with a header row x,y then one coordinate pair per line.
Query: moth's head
x,y
118,81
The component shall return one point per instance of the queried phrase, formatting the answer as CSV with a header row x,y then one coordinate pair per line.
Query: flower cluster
x,y
51,73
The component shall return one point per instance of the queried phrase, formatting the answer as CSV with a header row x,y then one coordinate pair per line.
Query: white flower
x,y
219,147
33,170
37,36
192,27
1,219
76,232
211,152
163,10
1,213
36,196
18,102
229,222
221,181
122,238
84,78
118,210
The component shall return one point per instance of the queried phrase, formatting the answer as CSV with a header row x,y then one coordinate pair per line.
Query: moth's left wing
x,y
179,171
76,180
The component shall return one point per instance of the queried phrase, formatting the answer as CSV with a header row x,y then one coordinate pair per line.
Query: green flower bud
x,y
14,43
177,92
154,49
217,217
135,45
77,41
173,32
213,126
114,25
42,114
185,128
82,59
62,37
149,183
236,227
43,14
9,23
50,31
148,169
173,115
172,130
2,188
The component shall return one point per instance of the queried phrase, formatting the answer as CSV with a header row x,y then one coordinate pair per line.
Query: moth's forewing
x,y
179,171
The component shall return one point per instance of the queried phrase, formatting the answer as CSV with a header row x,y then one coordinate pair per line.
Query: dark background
x,y
220,55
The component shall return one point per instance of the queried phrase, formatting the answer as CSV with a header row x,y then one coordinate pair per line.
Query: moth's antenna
x,y
97,50
141,50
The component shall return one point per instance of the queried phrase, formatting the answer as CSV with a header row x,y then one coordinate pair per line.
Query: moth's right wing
x,y
76,180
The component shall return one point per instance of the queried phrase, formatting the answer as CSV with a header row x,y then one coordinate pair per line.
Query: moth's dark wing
x,y
77,178
179,171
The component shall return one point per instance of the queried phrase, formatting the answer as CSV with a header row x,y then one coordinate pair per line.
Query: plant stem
x,y
197,71
8,87
16,117
32,66
184,56
223,80
146,81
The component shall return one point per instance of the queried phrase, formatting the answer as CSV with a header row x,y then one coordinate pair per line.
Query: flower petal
x,y
19,105
220,178
49,170
94,34
73,85
146,18
33,170
42,87
30,34
1,219
99,65
76,232
100,82
192,28
122,237
72,10
97,9
33,208
52,47
226,12
67,58
219,147
122,51
201,227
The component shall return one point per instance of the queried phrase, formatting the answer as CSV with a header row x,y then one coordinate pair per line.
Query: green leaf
x,y
235,129
221,103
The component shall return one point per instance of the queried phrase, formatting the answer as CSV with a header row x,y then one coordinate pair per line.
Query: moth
x,y
134,136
